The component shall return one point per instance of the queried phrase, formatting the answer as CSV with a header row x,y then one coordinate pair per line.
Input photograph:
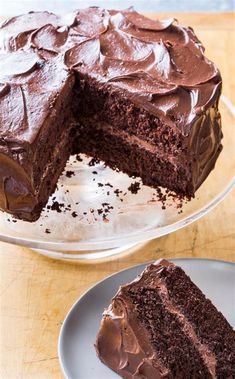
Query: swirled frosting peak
x,y
18,63
147,80
143,58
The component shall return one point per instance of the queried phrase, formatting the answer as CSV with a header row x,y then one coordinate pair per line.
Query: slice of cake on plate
x,y
162,326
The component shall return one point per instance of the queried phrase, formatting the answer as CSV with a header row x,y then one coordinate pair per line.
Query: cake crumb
x,y
78,158
108,185
134,188
105,204
117,192
69,174
57,206
93,162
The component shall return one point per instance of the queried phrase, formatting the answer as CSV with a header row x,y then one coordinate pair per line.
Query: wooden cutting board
x,y
36,292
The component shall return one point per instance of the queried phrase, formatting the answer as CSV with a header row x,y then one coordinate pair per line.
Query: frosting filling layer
x,y
125,343
148,78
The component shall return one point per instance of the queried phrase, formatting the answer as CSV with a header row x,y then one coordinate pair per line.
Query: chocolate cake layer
x,y
138,157
138,82
34,132
149,79
162,326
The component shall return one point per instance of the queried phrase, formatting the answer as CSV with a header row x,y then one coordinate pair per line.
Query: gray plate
x,y
76,342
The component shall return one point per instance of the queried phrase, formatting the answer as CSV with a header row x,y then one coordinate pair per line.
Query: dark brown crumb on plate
x,y
69,174
78,158
134,188
57,206
93,162
108,185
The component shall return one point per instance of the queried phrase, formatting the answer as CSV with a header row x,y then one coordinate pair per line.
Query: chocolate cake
x,y
162,326
136,93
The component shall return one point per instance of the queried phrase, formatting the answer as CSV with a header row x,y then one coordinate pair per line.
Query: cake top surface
x,y
29,89
158,64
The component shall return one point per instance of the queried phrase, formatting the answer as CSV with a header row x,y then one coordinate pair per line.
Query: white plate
x,y
78,333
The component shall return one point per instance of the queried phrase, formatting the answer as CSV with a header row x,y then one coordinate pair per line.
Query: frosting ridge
x,y
142,57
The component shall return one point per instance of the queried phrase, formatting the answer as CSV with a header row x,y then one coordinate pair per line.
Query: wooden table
x,y
36,292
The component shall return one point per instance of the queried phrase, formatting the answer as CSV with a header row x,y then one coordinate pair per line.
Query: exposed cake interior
x,y
161,325
135,90
136,93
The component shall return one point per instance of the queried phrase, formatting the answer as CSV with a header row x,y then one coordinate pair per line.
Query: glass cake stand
x,y
94,213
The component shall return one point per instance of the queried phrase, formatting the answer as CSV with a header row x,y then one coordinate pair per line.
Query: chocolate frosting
x,y
20,74
159,64
124,344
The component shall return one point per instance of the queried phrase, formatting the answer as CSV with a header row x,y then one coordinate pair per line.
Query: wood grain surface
x,y
36,292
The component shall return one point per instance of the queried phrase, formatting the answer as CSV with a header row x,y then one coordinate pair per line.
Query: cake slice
x,y
162,326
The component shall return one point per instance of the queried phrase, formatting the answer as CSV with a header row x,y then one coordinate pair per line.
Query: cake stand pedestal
x,y
88,256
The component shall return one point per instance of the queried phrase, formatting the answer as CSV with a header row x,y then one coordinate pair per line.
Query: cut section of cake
x,y
162,326
148,99
136,93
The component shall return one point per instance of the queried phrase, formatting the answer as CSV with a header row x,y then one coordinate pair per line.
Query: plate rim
x,y
74,305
